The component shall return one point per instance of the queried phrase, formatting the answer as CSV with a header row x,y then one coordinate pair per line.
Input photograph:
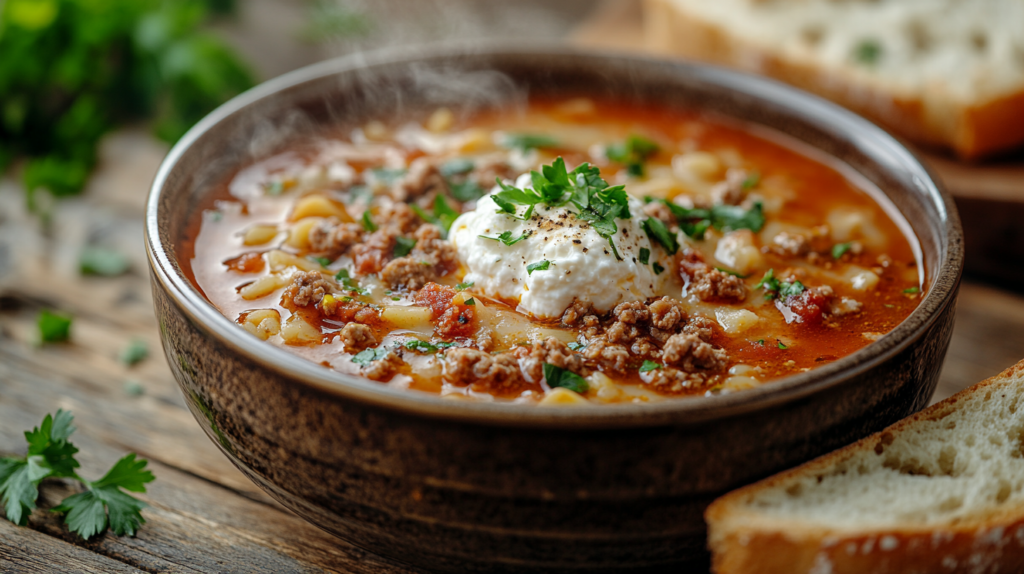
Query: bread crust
x,y
749,543
972,131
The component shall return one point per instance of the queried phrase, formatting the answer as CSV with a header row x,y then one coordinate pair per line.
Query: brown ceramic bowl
x,y
498,487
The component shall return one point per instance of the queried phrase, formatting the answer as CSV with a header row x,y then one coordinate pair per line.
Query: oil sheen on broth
x,y
628,254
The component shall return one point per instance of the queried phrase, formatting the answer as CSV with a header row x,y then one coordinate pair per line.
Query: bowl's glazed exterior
x,y
491,487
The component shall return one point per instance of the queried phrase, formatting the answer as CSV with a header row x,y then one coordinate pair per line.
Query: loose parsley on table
x,y
559,377
596,202
102,262
103,503
53,327
136,352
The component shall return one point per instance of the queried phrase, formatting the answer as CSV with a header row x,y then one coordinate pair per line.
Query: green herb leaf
x,y
725,218
274,188
840,249
538,266
471,302
760,342
649,366
657,268
660,234
751,181
633,152
912,290
645,255
443,216
87,512
527,142
457,166
506,237
403,246
559,377
791,289
368,223
323,261
731,272
576,346
367,356
425,347
466,190
53,327
782,346
103,262
136,352
349,283
867,51
387,175
464,286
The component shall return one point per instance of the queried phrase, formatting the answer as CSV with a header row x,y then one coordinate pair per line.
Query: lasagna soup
x,y
562,252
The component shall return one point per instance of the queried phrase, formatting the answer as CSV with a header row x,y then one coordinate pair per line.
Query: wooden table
x,y
204,516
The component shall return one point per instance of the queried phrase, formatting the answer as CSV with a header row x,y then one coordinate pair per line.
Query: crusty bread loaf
x,y
947,73
940,491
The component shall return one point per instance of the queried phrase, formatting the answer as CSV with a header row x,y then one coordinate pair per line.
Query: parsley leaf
x,y
471,302
751,182
103,262
912,290
782,346
53,327
840,249
541,265
645,255
633,152
774,288
506,237
660,234
443,214
403,246
650,366
367,356
387,175
725,218
368,223
576,346
559,377
425,347
867,51
791,289
464,286
323,261
657,268
457,166
349,283
136,352
466,190
87,512
527,142
731,272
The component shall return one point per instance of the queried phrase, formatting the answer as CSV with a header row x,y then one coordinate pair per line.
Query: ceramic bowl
x,y
468,487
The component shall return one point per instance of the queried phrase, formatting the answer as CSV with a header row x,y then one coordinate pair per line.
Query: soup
x,y
569,251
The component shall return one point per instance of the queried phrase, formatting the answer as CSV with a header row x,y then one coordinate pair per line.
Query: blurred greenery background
x,y
73,70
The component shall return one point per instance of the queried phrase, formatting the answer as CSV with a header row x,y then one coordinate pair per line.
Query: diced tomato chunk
x,y
251,262
437,297
806,307
450,319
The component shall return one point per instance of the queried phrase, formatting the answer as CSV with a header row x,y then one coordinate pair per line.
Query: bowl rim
x,y
682,411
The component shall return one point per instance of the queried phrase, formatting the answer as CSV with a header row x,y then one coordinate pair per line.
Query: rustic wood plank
x,y
25,551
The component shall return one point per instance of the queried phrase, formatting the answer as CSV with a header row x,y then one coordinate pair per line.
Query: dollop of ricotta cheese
x,y
581,263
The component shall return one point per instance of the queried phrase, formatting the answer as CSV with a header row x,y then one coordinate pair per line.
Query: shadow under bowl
x,y
469,487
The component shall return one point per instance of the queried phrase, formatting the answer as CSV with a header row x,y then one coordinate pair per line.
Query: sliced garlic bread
x,y
940,491
946,73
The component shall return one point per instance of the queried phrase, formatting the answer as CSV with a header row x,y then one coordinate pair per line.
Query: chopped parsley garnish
x,y
103,503
660,234
731,272
466,190
527,142
103,262
751,182
368,223
759,342
576,346
541,265
840,249
367,356
274,188
323,261
53,327
657,268
725,218
596,202
559,377
506,237
782,346
912,290
387,174
774,288
403,246
457,166
633,152
867,51
349,283
464,286
443,214
650,366
645,255
471,302
136,352
425,347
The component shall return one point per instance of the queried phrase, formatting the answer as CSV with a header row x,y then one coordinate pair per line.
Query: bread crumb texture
x,y
972,50
964,460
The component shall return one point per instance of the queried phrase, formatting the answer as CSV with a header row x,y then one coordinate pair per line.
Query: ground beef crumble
x,y
498,373
356,337
333,237
307,288
550,350
382,369
706,282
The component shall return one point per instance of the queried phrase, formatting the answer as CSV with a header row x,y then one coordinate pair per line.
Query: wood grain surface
x,y
204,516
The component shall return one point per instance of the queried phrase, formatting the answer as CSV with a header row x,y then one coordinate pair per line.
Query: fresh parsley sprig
x,y
774,288
51,455
725,218
633,152
559,377
596,202
442,216
506,237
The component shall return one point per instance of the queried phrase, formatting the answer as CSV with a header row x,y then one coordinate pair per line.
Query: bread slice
x,y
940,491
945,73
